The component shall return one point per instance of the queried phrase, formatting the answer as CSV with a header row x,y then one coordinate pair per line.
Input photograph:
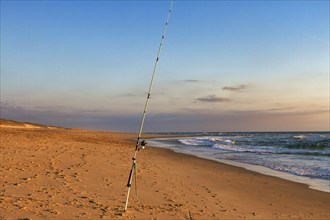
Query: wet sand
x,y
79,174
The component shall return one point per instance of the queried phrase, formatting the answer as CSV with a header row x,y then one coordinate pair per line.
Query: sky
x,y
224,66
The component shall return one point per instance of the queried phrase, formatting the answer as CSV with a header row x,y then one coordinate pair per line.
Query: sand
x,y
78,174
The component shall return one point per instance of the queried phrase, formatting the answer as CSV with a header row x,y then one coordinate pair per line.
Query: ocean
x,y
296,156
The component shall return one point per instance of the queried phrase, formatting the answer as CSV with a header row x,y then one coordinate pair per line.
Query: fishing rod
x,y
143,143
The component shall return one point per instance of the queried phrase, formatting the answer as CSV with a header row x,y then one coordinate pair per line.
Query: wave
x,y
205,141
236,148
299,136
300,171
262,145
293,142
320,145
264,150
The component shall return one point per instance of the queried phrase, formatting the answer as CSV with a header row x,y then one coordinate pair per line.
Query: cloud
x,y
192,80
280,109
235,88
315,37
213,98
188,119
129,95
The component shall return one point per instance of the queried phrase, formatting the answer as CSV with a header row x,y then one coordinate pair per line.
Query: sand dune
x,y
5,123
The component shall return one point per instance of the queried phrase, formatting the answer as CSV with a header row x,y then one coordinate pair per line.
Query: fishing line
x,y
140,145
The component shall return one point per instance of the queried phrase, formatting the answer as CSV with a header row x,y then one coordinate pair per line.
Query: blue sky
x,y
225,65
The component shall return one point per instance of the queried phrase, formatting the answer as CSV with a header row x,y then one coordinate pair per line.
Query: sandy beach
x,y
79,174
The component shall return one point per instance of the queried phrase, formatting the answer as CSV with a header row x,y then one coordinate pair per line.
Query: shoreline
x,y
313,183
74,174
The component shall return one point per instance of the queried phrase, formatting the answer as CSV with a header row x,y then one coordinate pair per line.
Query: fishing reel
x,y
143,144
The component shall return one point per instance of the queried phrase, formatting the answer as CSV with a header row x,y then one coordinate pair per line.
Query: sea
x,y
302,157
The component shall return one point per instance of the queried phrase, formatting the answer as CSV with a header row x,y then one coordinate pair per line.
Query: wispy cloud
x,y
192,80
280,109
128,95
235,88
213,98
315,37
